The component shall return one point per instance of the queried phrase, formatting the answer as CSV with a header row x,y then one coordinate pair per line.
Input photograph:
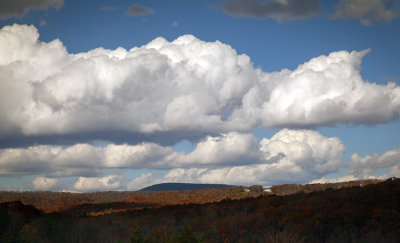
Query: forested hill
x,y
183,186
365,213
166,194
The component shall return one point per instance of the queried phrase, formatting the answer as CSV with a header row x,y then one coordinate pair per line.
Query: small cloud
x,y
175,24
137,10
146,179
106,183
389,79
108,8
366,11
43,22
324,180
45,184
371,165
279,10
9,188
10,8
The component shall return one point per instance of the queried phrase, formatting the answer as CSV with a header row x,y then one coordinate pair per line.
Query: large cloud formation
x,y
301,155
302,147
236,158
184,89
377,166
18,8
137,103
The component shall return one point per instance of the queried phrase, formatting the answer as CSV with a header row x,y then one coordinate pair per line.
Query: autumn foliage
x,y
360,213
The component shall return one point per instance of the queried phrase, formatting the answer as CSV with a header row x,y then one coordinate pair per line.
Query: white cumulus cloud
x,y
229,158
144,180
106,183
302,148
324,180
45,184
227,149
326,90
81,159
294,156
364,167
173,90
290,155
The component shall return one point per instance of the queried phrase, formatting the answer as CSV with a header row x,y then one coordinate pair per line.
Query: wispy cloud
x,y
138,10
43,22
367,10
18,8
108,8
279,10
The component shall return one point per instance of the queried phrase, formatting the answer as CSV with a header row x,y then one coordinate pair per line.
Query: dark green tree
x,y
186,235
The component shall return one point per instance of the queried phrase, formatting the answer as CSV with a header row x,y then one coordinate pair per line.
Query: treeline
x,y
354,214
61,201
50,201
287,189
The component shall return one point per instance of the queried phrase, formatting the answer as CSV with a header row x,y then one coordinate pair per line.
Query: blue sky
x,y
296,106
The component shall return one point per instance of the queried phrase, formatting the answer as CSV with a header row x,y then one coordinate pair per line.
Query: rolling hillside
x,y
352,212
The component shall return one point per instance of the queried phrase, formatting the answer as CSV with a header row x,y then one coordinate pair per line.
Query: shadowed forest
x,y
359,211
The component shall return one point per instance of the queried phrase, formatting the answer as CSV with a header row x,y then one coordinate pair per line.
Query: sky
x,y
122,94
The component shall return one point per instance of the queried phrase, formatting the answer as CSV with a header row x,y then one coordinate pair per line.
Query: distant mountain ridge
x,y
183,186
